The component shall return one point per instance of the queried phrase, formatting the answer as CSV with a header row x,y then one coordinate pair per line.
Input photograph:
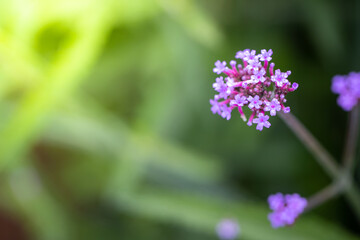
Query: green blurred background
x,y
106,129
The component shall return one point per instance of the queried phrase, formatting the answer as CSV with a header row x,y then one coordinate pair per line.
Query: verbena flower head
x,y
348,88
253,85
227,229
286,208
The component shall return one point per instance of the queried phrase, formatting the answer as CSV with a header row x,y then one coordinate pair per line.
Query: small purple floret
x,y
215,107
347,101
259,75
222,87
266,55
280,78
276,201
230,82
296,203
339,84
273,106
219,84
219,67
254,102
227,229
225,112
253,65
239,101
241,54
250,55
286,109
262,121
354,83
295,85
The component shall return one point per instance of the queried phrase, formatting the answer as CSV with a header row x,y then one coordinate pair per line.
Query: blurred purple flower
x,y
227,229
286,209
348,88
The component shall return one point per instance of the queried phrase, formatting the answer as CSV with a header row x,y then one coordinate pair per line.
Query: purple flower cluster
x,y
286,208
348,88
254,85
227,229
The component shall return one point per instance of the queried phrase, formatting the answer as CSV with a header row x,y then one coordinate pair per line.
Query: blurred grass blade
x,y
109,135
204,212
200,26
44,215
65,75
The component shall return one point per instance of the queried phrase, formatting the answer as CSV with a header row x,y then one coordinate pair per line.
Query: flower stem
x,y
351,140
329,164
352,194
326,194
312,144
